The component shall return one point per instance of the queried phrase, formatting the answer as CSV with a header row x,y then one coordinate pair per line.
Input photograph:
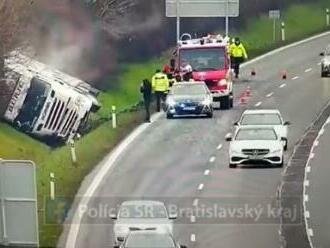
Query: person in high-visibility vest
x,y
238,55
160,85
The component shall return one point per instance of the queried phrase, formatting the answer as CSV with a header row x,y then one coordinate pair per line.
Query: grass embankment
x,y
301,21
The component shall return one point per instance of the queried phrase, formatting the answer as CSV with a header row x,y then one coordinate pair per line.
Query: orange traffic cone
x,y
284,75
242,99
253,72
248,91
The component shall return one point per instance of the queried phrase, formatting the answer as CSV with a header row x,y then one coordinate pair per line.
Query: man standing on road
x,y
160,85
238,55
146,90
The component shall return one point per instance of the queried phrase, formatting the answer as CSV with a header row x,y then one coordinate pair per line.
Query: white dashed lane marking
x,y
195,203
212,159
258,104
219,147
306,183
193,238
192,219
270,94
295,78
308,70
282,85
201,187
207,172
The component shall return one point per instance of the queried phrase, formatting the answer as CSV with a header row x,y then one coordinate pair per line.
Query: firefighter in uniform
x,y
160,85
146,90
238,55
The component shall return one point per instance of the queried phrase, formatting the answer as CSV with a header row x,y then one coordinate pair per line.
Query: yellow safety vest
x,y
238,51
160,82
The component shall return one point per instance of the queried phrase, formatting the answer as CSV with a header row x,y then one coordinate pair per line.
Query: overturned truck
x,y
45,102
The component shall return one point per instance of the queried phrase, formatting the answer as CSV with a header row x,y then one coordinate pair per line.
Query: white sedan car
x,y
266,117
259,144
141,215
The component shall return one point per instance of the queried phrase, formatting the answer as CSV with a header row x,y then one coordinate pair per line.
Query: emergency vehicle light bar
x,y
186,40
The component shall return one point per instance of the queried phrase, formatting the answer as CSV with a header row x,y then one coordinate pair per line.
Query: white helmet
x,y
187,68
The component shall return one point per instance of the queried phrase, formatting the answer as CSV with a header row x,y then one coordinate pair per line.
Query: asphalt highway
x,y
317,191
185,161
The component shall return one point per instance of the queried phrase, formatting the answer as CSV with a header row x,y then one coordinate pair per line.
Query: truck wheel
x,y
225,102
210,115
231,101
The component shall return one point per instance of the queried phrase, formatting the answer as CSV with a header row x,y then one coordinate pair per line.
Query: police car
x,y
189,98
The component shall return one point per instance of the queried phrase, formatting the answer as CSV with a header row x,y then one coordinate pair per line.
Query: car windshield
x,y
261,119
203,59
140,240
142,211
256,134
189,89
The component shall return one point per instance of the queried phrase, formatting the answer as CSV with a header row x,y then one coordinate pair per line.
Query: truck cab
x,y
210,60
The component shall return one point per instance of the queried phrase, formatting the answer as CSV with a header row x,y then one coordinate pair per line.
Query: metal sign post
x,y
327,11
283,31
178,20
202,8
274,15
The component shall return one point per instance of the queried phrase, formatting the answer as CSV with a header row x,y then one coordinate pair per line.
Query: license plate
x,y
256,157
189,108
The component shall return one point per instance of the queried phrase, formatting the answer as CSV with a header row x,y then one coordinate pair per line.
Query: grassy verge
x,y
92,148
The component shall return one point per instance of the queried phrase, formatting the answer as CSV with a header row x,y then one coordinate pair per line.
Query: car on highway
x,y
258,144
149,239
189,98
266,117
325,63
141,215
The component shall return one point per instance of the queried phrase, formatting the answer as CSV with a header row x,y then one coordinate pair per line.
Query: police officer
x,y
238,55
160,85
146,90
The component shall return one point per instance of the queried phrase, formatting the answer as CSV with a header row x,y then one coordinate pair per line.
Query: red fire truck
x,y
210,60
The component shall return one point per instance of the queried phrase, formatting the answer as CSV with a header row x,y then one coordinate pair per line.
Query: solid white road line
x,y
219,147
107,163
207,172
310,232
307,214
312,155
193,238
306,183
270,94
258,104
308,169
295,78
316,143
201,187
308,70
282,85
321,132
306,198
212,159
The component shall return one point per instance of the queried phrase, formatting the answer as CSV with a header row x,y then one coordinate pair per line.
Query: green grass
x,y
90,150
129,80
301,21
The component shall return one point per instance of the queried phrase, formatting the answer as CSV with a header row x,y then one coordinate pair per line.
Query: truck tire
x,y
231,100
169,116
225,102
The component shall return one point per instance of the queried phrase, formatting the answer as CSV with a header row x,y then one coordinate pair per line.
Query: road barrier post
x,y
73,151
327,17
114,117
52,186
283,31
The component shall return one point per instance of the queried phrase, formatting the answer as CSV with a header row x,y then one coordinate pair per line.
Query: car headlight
x,y
207,101
222,82
276,151
171,102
